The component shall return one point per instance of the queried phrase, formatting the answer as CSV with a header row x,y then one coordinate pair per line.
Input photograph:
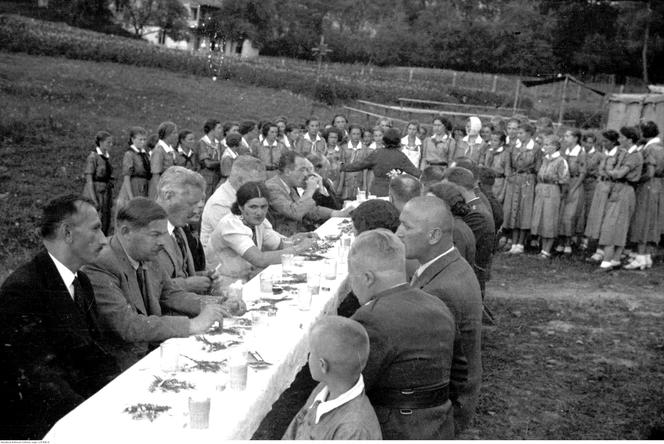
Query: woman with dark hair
x,y
645,227
98,178
621,201
186,154
353,151
383,162
435,148
341,123
334,153
163,155
572,193
209,155
243,243
135,168
269,150
411,144
613,154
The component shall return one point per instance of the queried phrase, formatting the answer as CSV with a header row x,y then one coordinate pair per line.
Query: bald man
x,y
338,408
403,188
426,231
412,336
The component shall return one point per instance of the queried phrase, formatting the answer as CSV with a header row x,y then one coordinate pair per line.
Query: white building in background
x,y
199,10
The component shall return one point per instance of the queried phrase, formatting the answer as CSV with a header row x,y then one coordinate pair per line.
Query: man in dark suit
x,y
133,293
52,356
180,191
411,336
426,231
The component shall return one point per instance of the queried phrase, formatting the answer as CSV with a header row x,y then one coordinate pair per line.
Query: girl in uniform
x,y
367,137
334,154
520,189
621,203
613,155
496,159
645,225
473,139
209,155
311,141
594,156
341,123
186,155
459,147
98,178
353,151
435,148
572,198
552,174
135,168
163,155
411,144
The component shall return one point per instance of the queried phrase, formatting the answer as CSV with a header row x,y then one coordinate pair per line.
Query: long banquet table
x,y
280,340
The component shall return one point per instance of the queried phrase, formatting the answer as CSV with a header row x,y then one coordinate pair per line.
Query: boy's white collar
x,y
327,406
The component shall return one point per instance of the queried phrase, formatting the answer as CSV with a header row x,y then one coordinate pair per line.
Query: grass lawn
x,y
574,354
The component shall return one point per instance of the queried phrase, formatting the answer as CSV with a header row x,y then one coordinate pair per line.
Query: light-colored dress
x,y
572,194
602,191
622,201
594,158
645,226
553,173
230,240
520,188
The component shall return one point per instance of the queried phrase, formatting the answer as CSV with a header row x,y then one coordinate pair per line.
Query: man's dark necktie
x,y
78,295
182,246
141,277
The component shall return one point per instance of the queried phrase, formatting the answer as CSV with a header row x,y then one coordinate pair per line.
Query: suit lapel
x,y
134,293
189,259
172,251
435,269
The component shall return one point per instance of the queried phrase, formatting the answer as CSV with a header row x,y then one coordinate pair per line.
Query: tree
x,y
238,20
169,15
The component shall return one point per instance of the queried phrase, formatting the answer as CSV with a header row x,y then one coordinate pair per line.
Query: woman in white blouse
x,y
243,243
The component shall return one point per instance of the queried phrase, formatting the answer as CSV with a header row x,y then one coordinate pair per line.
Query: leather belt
x,y
437,163
410,398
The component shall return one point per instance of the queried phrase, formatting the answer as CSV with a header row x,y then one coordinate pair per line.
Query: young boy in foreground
x,y
338,408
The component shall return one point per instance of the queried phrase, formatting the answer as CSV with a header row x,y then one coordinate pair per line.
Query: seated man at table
x,y
132,291
179,192
426,231
290,211
402,189
338,408
52,356
245,169
411,336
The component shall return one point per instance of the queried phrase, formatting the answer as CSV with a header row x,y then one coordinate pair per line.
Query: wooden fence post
x,y
495,83
410,75
516,95
562,101
454,79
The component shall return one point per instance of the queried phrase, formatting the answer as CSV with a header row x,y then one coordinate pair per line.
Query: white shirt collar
x,y
530,145
423,267
404,141
271,146
101,153
355,148
499,149
165,146
285,141
207,140
574,152
133,147
306,136
327,406
228,152
170,227
554,155
654,140
592,150
477,140
244,142
613,151
180,150
66,275
373,146
633,149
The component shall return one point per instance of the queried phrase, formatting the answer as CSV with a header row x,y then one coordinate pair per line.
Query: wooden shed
x,y
630,109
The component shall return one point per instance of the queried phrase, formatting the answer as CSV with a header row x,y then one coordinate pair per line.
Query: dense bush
x,y
20,34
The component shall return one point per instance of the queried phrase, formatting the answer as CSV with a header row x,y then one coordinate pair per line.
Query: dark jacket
x,y
411,336
451,279
381,162
464,240
53,355
485,238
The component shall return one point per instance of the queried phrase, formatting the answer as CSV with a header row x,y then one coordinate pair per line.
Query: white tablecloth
x,y
280,340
